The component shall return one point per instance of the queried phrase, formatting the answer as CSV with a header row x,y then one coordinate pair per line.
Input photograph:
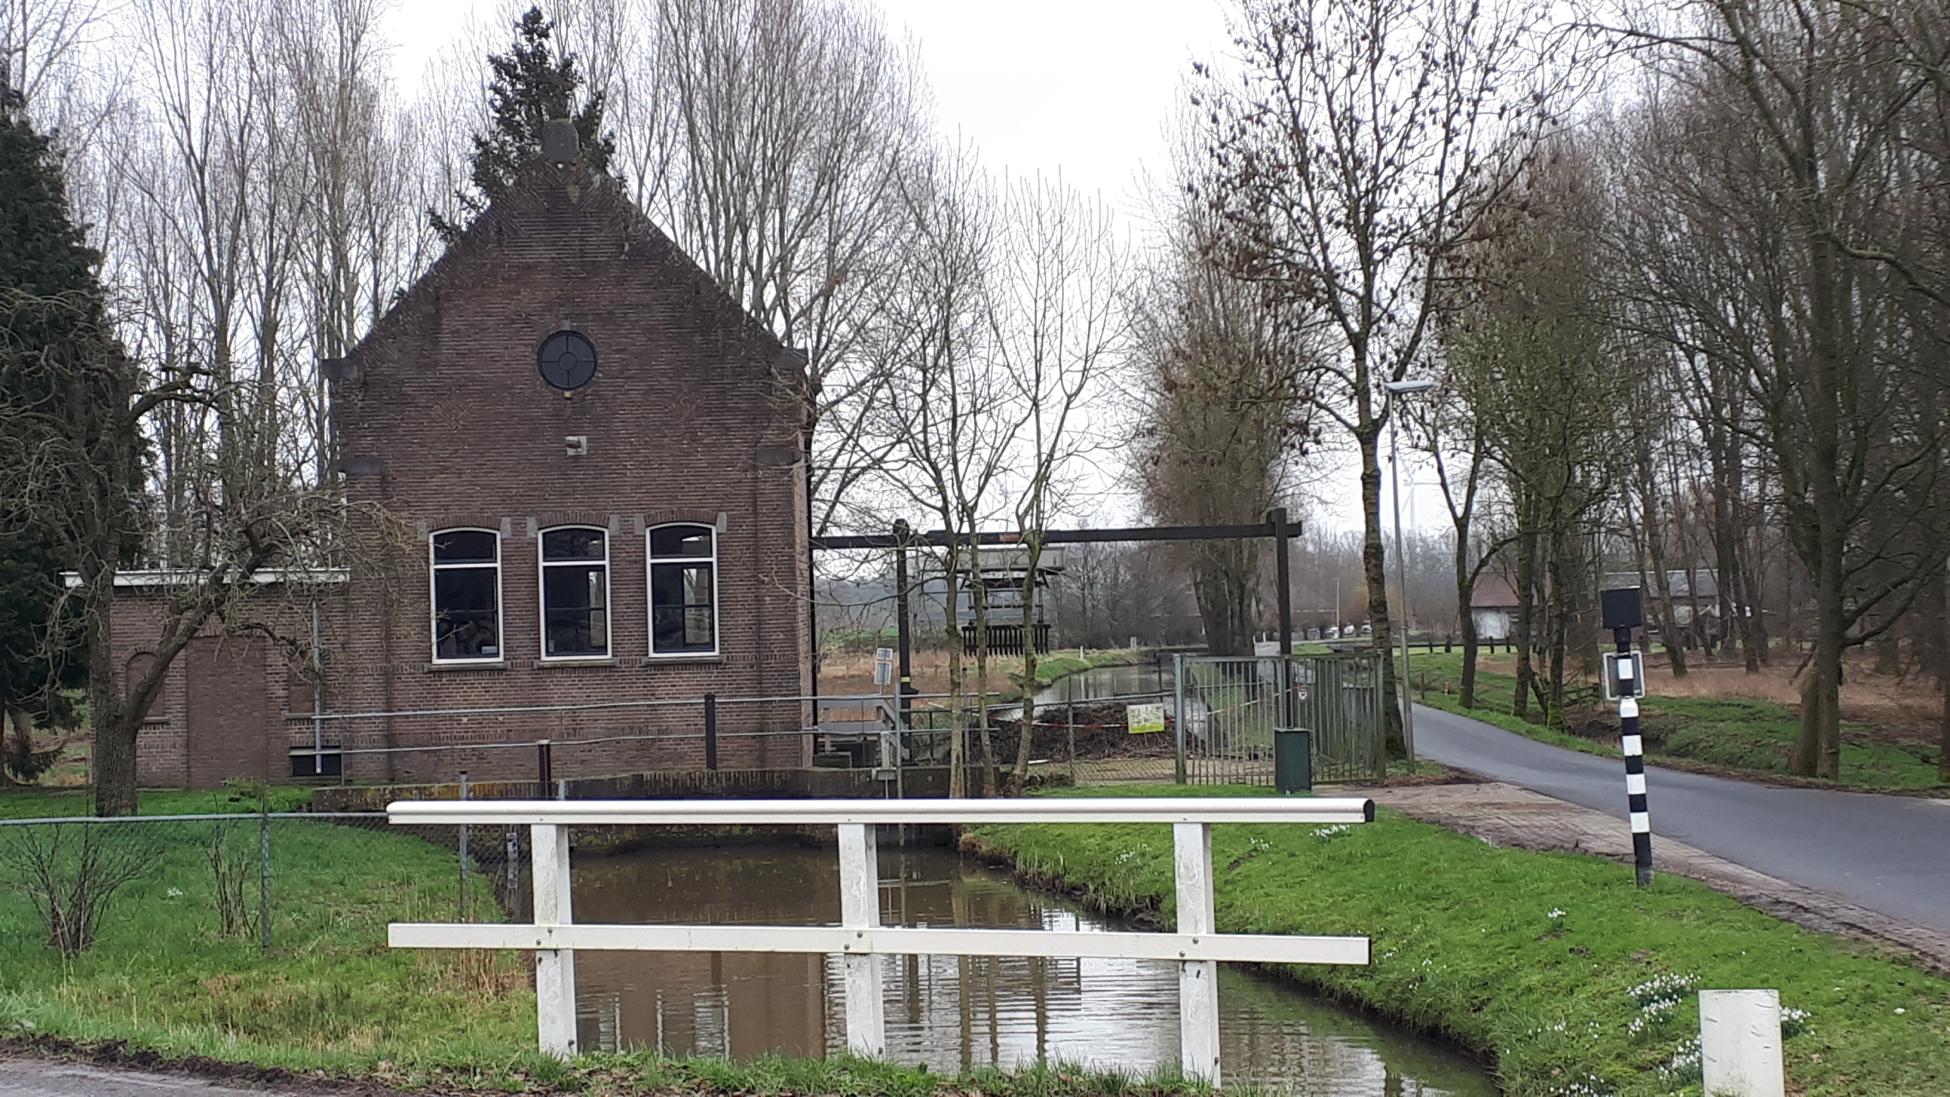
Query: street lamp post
x,y
1404,387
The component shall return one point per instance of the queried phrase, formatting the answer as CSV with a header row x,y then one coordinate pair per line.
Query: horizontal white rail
x,y
860,940
1244,948
1175,809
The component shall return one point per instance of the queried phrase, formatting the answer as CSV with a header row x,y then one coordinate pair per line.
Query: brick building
x,y
594,458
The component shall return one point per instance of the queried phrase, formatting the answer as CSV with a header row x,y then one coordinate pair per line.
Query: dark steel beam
x,y
1126,534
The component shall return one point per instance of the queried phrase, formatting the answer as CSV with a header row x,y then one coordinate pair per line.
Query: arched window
x,y
575,593
683,590
466,594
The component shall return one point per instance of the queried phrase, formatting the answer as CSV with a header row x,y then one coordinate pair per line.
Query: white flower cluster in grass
x,y
1588,1086
1658,999
1328,834
1258,845
1683,1068
1555,914
1794,1022
1666,987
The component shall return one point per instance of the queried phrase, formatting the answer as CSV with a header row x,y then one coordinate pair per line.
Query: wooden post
x,y
866,1029
555,969
1198,980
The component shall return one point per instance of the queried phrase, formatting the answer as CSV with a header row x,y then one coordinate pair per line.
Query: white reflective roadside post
x,y
1198,980
1740,1043
555,968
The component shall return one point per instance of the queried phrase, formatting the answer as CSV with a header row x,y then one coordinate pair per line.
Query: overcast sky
x,y
1080,88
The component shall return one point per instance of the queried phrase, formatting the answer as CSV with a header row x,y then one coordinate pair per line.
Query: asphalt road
x,y
51,1078
1888,853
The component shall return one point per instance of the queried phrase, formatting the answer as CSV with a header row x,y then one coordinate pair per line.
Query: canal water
x,y
946,1012
1139,680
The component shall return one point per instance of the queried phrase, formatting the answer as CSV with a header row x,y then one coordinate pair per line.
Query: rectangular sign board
x,y
1144,719
1624,676
883,666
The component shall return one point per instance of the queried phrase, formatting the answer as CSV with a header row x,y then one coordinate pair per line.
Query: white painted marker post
x,y
1740,1043
866,1025
555,968
1198,980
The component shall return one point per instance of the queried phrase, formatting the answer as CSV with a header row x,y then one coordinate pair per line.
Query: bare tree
x,y
786,129
1056,315
1356,152
945,407
1795,199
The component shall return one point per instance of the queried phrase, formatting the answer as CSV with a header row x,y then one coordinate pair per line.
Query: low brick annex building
x,y
598,457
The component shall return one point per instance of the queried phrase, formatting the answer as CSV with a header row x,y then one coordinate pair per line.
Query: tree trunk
x,y
958,724
1818,749
114,755
1558,617
1465,594
1943,673
1025,741
1525,624
1374,569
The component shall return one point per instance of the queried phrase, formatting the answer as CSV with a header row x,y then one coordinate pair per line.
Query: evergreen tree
x,y
70,454
532,84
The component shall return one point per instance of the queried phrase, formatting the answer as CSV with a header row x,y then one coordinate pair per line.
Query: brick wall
x,y
694,415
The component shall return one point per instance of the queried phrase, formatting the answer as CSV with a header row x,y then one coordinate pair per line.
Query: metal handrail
x,y
1172,809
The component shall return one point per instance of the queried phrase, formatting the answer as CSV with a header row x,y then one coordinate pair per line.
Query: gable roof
x,y
1492,592
591,195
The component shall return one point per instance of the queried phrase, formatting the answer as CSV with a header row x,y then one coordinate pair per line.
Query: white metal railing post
x,y
866,1028
1198,980
555,968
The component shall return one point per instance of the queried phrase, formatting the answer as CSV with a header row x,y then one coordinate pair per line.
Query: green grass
x,y
331,997
1051,668
1728,733
37,803
1463,946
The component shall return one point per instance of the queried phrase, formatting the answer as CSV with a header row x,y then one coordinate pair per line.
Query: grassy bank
x,y
330,997
1465,944
1738,735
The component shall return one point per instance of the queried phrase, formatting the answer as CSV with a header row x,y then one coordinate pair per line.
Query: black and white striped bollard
x,y
1634,747
1624,679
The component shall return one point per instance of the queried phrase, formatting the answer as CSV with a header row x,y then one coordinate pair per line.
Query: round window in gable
x,y
566,360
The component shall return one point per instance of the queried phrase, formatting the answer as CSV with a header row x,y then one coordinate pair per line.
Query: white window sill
x,y
680,657
563,662
467,664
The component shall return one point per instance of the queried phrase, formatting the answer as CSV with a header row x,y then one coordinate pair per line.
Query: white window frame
x,y
541,596
650,562
433,598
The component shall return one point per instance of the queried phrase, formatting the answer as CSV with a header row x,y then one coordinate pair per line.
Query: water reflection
x,y
947,1012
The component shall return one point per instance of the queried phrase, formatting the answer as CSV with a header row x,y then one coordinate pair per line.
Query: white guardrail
x,y
860,938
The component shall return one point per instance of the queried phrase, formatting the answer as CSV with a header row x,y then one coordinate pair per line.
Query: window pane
x,y
464,546
683,611
466,617
681,541
575,611
572,544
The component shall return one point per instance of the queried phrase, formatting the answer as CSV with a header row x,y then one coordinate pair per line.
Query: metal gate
x,y
1228,707
1338,699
